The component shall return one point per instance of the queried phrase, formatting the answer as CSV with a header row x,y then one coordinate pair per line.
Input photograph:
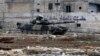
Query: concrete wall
x,y
3,6
83,5
43,6
32,5
19,7
91,24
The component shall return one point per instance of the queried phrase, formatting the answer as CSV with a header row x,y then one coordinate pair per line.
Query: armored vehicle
x,y
43,26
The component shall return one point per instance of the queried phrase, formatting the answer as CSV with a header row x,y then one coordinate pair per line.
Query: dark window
x,y
0,27
78,25
12,0
57,4
80,8
57,0
50,6
98,8
38,10
68,8
38,4
92,11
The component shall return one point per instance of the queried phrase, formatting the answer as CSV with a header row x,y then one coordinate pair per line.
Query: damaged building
x,y
13,11
50,6
47,6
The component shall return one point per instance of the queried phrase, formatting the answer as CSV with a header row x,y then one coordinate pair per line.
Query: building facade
x,y
49,6
12,11
46,6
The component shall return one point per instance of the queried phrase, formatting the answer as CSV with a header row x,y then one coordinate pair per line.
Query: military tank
x,y
43,26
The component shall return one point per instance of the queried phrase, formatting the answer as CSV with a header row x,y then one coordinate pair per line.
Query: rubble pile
x,y
50,45
53,51
6,40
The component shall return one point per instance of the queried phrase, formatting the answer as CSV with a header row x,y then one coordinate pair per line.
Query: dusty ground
x,y
66,41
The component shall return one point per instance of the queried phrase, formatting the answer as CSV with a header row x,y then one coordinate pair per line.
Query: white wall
x,y
92,22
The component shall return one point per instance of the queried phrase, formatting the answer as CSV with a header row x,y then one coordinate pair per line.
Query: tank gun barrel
x,y
49,23
63,22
